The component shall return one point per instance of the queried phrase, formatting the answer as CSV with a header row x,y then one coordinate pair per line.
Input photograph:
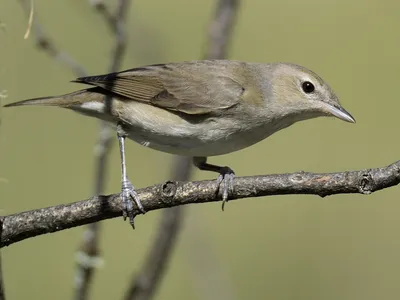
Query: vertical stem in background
x,y
145,284
2,292
221,27
210,277
89,252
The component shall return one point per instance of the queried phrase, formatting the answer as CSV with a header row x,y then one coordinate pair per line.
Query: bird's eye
x,y
308,87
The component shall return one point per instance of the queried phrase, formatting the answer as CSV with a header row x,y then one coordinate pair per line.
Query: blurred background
x,y
282,247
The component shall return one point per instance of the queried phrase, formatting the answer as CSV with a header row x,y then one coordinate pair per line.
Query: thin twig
x,y
88,255
20,226
44,43
2,288
104,11
144,285
89,251
209,278
220,30
30,20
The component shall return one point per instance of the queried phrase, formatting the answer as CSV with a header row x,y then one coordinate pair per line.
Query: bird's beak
x,y
340,113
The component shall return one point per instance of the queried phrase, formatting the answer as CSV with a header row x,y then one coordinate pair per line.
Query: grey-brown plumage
x,y
203,108
192,88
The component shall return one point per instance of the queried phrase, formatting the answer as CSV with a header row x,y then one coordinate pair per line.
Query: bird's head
x,y
300,92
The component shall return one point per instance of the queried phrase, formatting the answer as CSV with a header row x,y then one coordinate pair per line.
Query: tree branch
x,y
20,226
220,30
103,10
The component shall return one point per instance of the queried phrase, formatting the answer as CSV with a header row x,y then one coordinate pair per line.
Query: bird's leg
x,y
127,190
225,178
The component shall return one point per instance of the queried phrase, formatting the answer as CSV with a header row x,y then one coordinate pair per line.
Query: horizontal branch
x,y
28,224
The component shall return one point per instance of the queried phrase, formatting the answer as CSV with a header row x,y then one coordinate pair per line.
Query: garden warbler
x,y
200,109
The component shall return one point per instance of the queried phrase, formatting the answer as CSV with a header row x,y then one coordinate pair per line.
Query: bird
x,y
199,109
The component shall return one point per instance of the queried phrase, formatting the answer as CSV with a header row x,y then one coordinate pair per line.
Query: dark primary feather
x,y
192,87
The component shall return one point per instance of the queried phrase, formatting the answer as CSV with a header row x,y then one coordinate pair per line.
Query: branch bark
x,y
20,226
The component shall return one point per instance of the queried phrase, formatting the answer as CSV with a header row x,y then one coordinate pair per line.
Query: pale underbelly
x,y
190,146
208,139
189,136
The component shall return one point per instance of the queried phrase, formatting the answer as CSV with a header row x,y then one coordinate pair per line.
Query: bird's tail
x,y
68,101
51,101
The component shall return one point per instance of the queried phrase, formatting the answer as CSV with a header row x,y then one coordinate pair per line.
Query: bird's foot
x,y
225,184
127,194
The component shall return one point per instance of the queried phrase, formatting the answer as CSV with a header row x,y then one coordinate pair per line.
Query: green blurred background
x,y
283,247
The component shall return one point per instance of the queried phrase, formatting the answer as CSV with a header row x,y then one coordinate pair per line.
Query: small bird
x,y
200,109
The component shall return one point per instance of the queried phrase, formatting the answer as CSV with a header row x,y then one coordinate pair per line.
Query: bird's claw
x,y
127,194
225,184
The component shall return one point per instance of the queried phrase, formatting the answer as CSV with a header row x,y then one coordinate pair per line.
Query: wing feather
x,y
197,87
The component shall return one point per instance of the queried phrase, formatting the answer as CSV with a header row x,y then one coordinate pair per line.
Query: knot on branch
x,y
43,43
298,177
168,190
367,183
396,171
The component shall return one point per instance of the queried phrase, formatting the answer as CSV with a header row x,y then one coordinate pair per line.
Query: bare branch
x,y
88,255
20,226
209,275
104,10
30,20
89,249
120,34
221,28
44,43
3,94
156,262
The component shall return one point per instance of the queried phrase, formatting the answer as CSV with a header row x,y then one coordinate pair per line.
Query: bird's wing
x,y
193,87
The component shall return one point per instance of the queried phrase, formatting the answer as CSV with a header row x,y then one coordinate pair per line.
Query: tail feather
x,y
68,100
55,100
